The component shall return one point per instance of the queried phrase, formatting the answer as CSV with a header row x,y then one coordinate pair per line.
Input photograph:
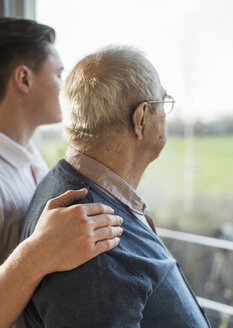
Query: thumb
x,y
68,198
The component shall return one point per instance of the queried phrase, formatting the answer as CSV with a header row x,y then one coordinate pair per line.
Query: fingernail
x,y
110,209
121,220
83,189
121,231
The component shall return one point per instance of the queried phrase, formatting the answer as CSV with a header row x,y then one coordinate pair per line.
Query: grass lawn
x,y
211,168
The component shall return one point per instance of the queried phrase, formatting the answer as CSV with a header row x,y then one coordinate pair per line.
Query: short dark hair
x,y
22,41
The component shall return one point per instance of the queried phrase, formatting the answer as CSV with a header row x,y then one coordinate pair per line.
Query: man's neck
x,y
120,159
14,125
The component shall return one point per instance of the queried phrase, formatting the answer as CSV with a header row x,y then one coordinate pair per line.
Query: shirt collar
x,y
15,154
106,179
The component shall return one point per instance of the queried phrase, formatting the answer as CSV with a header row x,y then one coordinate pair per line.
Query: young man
x,y
65,237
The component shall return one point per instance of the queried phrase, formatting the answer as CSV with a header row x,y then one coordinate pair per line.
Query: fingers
x,y
67,198
72,196
106,220
107,233
97,208
105,245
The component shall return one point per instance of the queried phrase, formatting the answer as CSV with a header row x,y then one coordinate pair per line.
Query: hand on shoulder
x,y
68,236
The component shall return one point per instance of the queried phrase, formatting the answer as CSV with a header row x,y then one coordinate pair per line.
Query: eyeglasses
x,y
168,103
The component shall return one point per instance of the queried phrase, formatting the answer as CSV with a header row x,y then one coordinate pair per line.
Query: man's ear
x,y
139,120
23,78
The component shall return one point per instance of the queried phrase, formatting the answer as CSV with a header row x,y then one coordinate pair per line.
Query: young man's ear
x,y
139,120
23,78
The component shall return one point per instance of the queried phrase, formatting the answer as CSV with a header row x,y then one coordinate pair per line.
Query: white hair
x,y
104,88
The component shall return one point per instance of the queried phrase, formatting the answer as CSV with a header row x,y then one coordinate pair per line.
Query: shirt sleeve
x,y
4,197
104,292
1,230
9,232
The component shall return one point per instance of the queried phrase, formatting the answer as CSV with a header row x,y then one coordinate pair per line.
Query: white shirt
x,y
21,170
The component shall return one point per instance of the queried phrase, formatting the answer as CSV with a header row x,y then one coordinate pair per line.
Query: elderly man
x,y
116,127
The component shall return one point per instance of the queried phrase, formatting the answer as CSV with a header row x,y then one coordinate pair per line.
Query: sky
x,y
190,43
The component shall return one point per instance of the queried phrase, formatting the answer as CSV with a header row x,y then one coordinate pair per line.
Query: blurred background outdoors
x,y
190,187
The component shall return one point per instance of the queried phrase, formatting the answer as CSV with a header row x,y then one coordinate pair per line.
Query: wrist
x,y
20,275
30,258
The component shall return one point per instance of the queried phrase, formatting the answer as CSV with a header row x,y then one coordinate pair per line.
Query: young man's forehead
x,y
54,57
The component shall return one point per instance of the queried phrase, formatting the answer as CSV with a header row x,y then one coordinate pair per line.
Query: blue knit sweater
x,y
137,284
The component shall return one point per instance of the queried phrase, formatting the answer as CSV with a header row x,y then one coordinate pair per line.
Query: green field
x,y
211,168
